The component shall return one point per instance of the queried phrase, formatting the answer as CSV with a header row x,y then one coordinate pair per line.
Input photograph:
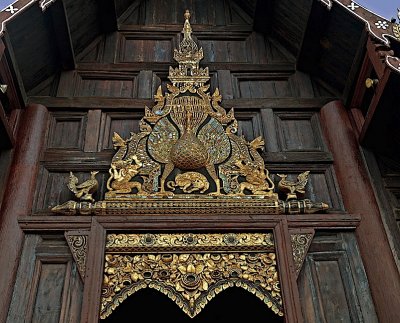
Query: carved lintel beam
x,y
301,241
78,244
135,206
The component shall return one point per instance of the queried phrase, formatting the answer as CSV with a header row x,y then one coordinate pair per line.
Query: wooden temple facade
x,y
199,161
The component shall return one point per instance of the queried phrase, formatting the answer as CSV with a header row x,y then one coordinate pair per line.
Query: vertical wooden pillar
x,y
290,292
18,196
358,198
94,273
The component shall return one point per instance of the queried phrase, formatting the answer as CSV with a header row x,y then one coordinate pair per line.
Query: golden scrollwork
x,y
300,243
188,147
190,279
135,242
78,244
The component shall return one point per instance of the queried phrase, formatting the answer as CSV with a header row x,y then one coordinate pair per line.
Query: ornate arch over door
x,y
232,305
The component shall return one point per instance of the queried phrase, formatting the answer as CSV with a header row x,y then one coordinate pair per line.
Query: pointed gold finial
x,y
187,14
188,56
187,29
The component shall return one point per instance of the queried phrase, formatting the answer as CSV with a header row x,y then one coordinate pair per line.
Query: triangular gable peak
x,y
378,27
188,155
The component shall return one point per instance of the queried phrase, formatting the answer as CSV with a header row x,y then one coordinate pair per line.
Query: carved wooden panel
x,y
120,122
78,244
48,286
51,189
66,130
299,131
139,49
235,47
261,88
265,85
94,52
389,170
217,12
218,50
52,184
300,240
250,124
47,306
105,85
333,285
321,186
394,197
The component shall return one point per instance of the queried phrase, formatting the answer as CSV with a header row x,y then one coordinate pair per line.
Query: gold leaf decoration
x,y
300,244
206,265
188,157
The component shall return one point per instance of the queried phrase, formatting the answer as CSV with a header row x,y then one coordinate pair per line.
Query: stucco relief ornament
x,y
188,157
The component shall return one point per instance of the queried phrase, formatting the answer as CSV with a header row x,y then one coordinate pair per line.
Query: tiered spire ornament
x,y
188,57
188,156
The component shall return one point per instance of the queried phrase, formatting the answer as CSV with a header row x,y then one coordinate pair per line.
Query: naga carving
x,y
188,144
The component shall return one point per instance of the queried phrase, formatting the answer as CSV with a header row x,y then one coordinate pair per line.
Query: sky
x,y
385,8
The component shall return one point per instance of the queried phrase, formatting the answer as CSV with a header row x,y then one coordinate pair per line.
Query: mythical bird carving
x,y
85,190
292,188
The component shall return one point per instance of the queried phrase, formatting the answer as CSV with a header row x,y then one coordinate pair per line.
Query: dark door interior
x,y
232,305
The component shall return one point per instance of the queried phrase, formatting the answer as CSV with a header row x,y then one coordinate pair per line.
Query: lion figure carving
x,y
190,182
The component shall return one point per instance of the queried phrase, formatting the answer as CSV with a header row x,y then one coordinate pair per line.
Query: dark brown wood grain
x,y
359,198
123,51
187,222
19,194
290,293
331,276
48,286
6,133
138,104
94,273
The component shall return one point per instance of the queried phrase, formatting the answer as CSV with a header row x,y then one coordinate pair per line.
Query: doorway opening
x,y
232,305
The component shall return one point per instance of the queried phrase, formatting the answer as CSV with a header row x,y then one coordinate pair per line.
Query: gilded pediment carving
x,y
188,156
190,268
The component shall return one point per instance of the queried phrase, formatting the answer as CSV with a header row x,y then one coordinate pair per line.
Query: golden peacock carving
x,y
188,154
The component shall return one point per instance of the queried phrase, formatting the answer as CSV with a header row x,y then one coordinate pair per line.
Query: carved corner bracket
x,y
190,269
78,244
300,241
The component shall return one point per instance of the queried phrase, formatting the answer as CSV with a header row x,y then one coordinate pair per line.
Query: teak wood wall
x,y
115,77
